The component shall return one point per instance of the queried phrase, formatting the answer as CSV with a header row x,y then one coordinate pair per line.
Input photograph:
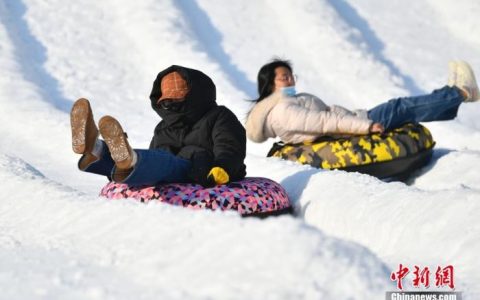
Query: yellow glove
x,y
220,176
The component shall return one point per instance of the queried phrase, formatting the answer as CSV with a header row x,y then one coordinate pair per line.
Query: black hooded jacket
x,y
201,131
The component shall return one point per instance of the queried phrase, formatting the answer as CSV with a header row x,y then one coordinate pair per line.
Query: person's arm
x,y
296,118
340,110
376,128
229,143
229,150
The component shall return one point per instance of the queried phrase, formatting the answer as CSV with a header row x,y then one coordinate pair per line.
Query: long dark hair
x,y
266,77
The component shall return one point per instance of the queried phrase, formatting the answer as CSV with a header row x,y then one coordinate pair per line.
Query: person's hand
x,y
216,176
376,128
207,182
219,175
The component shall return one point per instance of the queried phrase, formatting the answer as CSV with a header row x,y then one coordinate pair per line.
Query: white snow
x,y
59,240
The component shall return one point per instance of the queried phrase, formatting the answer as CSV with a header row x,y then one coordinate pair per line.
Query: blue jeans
x,y
152,167
440,105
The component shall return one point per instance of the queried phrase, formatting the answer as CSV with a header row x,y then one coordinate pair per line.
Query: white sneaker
x,y
452,73
461,75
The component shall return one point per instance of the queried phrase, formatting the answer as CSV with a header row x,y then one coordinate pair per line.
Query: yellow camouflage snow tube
x,y
383,155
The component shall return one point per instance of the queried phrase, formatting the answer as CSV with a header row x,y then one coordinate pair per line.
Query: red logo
x,y
444,277
421,276
399,275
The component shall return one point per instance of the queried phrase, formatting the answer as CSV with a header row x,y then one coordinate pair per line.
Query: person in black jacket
x,y
196,141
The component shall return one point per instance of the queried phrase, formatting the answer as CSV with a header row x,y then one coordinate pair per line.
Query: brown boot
x,y
117,143
84,130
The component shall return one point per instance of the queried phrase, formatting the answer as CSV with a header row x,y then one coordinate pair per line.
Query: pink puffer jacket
x,y
302,118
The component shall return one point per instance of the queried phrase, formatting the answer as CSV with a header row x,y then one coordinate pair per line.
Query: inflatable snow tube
x,y
252,196
392,155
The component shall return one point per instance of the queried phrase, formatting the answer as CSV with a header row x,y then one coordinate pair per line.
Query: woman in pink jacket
x,y
296,118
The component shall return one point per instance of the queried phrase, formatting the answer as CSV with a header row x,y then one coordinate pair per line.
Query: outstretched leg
x,y
140,167
440,105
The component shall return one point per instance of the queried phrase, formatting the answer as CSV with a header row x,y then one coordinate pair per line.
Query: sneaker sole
x,y
78,122
464,68
116,141
452,73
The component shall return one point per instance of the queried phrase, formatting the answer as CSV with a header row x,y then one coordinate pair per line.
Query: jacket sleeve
x,y
292,117
340,110
229,144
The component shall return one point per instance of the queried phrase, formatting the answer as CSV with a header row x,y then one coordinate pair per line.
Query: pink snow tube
x,y
252,196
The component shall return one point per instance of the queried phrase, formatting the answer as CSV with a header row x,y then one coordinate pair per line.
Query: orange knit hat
x,y
173,86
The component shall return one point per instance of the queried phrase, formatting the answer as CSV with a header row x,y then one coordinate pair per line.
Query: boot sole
x,y
78,122
116,141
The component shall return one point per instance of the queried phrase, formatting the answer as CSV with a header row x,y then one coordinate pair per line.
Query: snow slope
x,y
59,240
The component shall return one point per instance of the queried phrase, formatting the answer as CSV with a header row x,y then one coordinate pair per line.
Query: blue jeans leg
x,y
103,166
440,105
152,167
157,166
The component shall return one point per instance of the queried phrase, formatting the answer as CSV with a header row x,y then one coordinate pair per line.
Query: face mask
x,y
171,105
288,91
